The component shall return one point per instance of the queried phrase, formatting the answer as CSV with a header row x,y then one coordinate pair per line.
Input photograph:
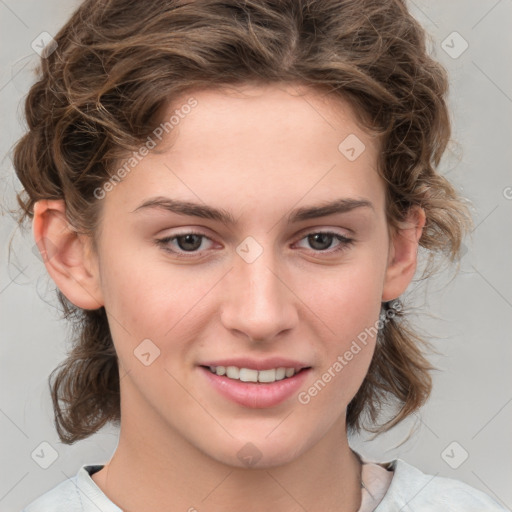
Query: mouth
x,y
255,389
255,376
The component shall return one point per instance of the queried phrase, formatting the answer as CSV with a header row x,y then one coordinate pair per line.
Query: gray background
x,y
470,316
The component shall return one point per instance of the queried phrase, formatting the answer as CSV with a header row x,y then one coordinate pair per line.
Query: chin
x,y
258,453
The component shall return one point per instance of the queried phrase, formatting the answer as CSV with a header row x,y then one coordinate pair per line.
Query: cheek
x,y
152,309
348,298
348,302
147,298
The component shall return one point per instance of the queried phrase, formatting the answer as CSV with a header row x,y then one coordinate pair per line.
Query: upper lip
x,y
258,364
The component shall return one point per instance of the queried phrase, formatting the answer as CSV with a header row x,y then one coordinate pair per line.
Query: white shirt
x,y
388,487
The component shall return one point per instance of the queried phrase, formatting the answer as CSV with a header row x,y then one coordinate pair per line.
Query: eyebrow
x,y
342,205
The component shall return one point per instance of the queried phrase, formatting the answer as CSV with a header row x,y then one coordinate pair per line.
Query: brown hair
x,y
118,62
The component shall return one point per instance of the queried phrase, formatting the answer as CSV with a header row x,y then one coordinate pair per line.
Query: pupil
x,y
315,238
186,246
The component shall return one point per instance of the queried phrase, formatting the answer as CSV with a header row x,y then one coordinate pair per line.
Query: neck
x,y
157,469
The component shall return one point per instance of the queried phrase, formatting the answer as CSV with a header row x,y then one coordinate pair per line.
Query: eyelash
x,y
345,243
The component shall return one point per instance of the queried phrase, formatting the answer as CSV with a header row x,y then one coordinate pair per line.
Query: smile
x,y
250,375
255,389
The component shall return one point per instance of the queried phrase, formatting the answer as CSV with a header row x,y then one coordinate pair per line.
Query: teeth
x,y
247,375
281,373
289,372
233,372
267,375
250,375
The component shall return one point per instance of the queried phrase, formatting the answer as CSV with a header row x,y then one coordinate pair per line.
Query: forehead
x,y
272,143
295,117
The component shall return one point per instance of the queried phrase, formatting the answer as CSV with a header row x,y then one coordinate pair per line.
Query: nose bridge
x,y
259,303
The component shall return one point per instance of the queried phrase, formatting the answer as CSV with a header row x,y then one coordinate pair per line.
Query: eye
x,y
188,242
320,241
191,242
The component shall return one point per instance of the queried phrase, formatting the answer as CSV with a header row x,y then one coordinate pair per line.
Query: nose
x,y
259,303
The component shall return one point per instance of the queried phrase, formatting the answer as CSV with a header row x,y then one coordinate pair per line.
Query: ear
x,y
402,257
68,256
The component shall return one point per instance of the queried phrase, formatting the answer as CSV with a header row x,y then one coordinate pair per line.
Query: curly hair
x,y
115,66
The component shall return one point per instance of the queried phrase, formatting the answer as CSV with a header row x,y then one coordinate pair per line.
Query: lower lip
x,y
256,395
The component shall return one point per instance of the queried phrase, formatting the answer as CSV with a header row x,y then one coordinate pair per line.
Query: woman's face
x,y
258,288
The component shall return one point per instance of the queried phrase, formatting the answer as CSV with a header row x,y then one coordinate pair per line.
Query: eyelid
x,y
311,230
344,240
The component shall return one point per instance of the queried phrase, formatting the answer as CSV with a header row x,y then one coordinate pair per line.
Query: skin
x,y
259,153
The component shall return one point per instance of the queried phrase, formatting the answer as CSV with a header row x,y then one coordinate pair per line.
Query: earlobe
x,y
403,254
66,255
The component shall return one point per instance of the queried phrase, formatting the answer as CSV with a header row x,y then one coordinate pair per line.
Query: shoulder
x,y
64,496
412,489
76,494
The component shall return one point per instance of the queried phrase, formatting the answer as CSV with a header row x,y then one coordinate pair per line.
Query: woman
x,y
230,197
